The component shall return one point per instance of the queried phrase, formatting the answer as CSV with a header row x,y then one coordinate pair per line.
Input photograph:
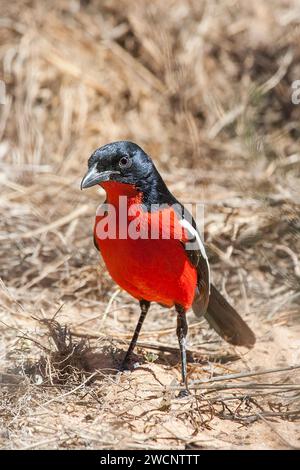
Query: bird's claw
x,y
183,393
124,366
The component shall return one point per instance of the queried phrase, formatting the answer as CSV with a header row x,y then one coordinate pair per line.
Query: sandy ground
x,y
137,409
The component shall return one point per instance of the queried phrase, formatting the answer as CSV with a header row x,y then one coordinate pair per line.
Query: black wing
x,y
196,253
209,302
95,243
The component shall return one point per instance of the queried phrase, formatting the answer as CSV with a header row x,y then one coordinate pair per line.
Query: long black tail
x,y
223,318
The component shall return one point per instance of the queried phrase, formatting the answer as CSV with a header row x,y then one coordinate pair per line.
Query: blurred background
x,y
206,88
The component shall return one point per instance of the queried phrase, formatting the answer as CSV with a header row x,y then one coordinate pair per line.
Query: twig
x,y
70,392
106,312
283,439
219,378
46,228
48,270
247,385
39,444
160,332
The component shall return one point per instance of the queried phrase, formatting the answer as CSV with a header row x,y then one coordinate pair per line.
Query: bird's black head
x,y
123,162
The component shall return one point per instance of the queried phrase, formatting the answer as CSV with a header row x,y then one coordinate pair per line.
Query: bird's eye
x,y
125,162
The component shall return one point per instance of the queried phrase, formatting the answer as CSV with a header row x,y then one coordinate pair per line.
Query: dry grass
x,y
205,88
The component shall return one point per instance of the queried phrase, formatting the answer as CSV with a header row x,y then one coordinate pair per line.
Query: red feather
x,y
157,270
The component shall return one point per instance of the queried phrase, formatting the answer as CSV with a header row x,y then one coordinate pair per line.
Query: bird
x,y
153,249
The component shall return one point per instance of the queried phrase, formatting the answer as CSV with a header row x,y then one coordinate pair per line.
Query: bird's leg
x,y
144,304
181,331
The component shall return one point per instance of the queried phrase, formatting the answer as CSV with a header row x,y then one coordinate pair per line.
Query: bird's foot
x,y
124,366
184,393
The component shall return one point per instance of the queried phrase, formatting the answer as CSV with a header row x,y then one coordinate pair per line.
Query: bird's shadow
x,y
109,359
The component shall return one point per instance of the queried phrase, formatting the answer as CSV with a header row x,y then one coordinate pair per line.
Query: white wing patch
x,y
185,224
192,231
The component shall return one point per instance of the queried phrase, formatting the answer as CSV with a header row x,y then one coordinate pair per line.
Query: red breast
x,y
154,269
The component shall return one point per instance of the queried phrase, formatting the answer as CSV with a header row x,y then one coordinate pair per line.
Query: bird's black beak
x,y
94,176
